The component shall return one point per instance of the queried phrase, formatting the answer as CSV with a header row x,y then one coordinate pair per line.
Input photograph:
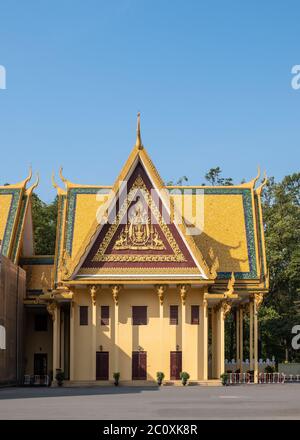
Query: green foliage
x,y
160,377
184,376
179,181
116,377
224,378
60,377
44,217
280,312
214,178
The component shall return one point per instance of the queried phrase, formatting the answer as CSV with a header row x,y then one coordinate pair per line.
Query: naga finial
x,y
138,143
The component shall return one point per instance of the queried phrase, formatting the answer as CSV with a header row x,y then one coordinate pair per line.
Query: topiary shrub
x,y
184,376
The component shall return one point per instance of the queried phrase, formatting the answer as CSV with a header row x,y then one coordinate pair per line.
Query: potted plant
x,y
224,378
116,377
160,377
60,377
184,376
269,369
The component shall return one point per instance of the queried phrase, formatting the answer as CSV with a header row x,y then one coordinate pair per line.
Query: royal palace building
x,y
143,279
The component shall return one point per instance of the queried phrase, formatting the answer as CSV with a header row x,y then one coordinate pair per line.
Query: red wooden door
x,y
139,365
175,364
102,365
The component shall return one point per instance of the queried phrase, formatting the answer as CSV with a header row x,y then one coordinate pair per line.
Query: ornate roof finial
x,y
138,143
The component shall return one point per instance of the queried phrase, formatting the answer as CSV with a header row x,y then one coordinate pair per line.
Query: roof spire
x,y
138,143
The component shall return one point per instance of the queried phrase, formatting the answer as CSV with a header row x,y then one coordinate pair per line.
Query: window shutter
x,y
194,314
139,315
104,315
173,315
83,311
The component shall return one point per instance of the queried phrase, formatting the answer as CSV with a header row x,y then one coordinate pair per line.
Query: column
x,y
115,294
54,312
93,290
214,343
183,295
222,313
241,357
160,292
251,334
237,329
204,341
72,339
220,343
258,298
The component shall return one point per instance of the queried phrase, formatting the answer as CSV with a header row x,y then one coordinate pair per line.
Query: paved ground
x,y
281,401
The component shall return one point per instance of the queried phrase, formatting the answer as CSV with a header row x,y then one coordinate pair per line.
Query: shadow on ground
x,y
31,392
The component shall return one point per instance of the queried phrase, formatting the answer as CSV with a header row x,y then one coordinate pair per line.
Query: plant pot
x,y
116,383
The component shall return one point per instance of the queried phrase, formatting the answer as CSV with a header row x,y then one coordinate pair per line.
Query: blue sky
x,y
212,80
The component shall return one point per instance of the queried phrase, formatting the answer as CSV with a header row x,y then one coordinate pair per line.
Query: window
x,y
83,311
41,323
139,315
173,315
194,314
104,315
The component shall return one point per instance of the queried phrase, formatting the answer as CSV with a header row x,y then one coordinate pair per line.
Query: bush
x,y
184,376
269,369
224,378
160,377
60,377
116,377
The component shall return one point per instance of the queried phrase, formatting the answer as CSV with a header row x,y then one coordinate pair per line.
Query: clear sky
x,y
212,80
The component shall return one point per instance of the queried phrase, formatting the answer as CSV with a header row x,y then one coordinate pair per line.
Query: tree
x,y
279,313
179,181
44,217
213,176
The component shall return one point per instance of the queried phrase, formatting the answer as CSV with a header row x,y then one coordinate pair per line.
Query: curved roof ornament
x,y
54,184
252,182
24,182
263,183
62,177
35,184
138,143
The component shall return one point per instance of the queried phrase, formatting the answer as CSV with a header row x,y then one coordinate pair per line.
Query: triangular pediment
x,y
139,237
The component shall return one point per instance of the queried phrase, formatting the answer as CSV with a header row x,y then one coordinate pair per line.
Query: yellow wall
x,y
131,337
36,342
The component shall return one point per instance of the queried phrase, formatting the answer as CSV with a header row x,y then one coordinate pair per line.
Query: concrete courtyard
x,y
279,401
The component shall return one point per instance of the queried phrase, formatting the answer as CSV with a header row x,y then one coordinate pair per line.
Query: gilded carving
x,y
138,233
183,293
226,307
51,307
115,293
258,299
160,292
93,290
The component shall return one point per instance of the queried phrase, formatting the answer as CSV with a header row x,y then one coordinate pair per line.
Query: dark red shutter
x,y
102,365
175,364
83,311
173,315
104,315
194,314
139,315
139,365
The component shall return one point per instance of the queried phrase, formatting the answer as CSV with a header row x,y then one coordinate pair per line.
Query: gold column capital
x,y
115,293
257,299
226,308
160,288
183,288
93,290
51,308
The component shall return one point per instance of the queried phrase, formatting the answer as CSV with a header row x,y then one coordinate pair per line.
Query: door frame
x,y
178,367
107,359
